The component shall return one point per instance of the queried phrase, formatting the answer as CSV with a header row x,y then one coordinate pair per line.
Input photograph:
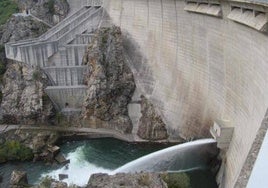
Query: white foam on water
x,y
78,170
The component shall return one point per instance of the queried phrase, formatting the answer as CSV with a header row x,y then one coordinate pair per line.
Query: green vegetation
x,y
37,75
45,98
14,151
46,182
7,8
176,180
2,61
2,68
50,6
1,96
59,117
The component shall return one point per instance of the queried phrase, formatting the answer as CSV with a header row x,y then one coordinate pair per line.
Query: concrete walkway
x,y
83,131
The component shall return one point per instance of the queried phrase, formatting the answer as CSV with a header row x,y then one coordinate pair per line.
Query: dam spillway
x,y
198,64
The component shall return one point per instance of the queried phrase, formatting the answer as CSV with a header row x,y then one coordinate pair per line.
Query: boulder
x,y
150,180
54,150
18,178
58,184
63,176
61,159
151,125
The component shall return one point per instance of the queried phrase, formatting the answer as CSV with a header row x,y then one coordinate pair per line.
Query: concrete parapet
x,y
63,23
251,17
212,8
83,39
76,4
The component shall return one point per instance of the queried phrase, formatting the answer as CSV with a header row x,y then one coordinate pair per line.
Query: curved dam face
x,y
200,67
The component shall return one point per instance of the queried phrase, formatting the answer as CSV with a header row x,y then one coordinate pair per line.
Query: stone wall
x,y
198,68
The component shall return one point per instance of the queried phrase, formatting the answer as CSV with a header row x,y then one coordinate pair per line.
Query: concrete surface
x,y
196,66
200,68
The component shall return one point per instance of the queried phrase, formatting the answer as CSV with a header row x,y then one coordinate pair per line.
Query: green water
x,y
95,156
87,157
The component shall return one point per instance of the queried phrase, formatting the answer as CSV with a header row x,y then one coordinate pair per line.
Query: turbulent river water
x,y
93,156
86,157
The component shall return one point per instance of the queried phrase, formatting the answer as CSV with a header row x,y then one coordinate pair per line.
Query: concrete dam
x,y
197,60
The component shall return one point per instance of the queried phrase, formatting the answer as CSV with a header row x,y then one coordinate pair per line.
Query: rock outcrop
x,y
143,179
22,87
39,142
110,82
24,100
50,11
149,180
21,27
18,179
151,125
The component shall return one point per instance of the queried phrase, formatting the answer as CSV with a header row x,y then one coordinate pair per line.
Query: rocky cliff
x,y
21,27
22,87
50,11
23,97
110,82
151,125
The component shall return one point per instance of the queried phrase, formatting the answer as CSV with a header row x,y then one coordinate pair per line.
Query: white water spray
x,y
78,170
180,157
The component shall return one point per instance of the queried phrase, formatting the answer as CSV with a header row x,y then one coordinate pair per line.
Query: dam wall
x,y
67,96
200,64
73,54
67,75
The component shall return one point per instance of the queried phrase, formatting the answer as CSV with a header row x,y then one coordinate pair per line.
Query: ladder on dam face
x,y
59,53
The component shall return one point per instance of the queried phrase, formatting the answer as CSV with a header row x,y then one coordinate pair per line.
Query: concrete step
x,y
37,54
63,23
13,46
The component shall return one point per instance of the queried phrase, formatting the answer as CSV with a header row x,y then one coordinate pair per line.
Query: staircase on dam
x,y
59,53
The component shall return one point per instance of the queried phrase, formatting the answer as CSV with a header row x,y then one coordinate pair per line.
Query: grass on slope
x,y
7,8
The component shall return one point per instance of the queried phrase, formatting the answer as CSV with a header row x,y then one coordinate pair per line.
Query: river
x,y
94,156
